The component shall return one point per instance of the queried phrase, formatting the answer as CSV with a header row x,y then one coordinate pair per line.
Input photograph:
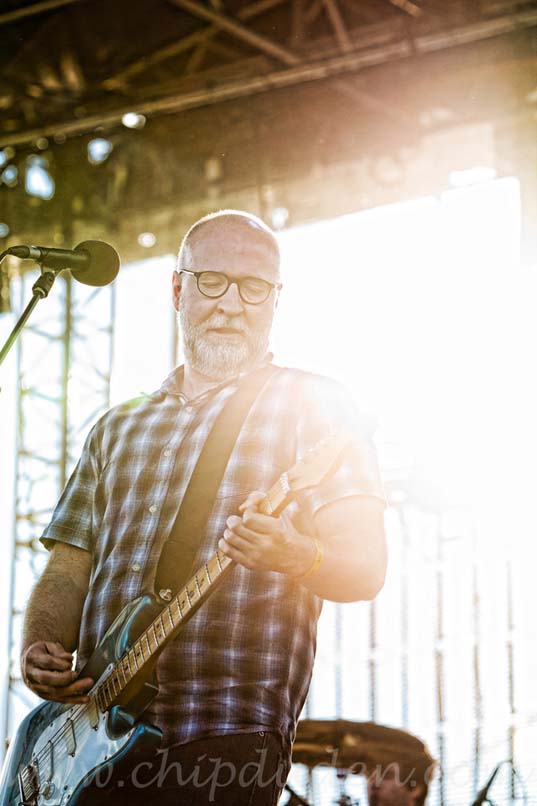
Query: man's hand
x,y
263,543
46,670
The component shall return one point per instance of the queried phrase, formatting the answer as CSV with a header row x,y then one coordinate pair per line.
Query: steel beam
x,y
192,40
406,5
31,11
313,71
239,31
336,20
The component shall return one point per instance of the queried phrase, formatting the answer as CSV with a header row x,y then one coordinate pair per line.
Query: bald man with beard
x,y
233,681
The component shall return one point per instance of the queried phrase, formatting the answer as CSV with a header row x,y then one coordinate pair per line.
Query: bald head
x,y
242,228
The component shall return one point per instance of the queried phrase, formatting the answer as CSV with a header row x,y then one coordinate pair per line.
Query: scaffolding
x,y
64,361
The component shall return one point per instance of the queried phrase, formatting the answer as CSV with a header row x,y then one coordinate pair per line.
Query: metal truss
x,y
355,667
64,364
205,54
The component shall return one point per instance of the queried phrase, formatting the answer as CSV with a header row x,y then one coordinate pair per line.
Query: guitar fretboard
x,y
176,612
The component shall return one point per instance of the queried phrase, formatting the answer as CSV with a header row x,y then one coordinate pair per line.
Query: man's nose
x,y
231,303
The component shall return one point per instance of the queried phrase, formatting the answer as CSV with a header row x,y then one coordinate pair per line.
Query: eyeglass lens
x,y
251,289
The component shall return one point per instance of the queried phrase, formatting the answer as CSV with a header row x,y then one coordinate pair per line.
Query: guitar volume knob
x,y
47,790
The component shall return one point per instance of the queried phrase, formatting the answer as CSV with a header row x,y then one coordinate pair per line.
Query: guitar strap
x,y
177,556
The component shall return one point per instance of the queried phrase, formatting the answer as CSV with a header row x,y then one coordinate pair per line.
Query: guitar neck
x,y
181,607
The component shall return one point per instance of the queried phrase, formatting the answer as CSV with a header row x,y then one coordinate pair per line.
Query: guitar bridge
x,y
29,784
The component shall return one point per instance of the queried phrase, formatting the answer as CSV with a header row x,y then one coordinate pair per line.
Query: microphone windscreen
x,y
102,266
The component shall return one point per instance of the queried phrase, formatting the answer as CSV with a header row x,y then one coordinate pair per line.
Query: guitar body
x,y
74,754
94,749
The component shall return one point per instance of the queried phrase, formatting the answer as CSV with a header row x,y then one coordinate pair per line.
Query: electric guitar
x,y
63,754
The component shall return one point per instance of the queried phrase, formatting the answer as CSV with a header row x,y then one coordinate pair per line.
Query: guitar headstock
x,y
317,462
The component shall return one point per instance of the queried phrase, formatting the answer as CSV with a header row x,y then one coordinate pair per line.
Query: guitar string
x,y
81,709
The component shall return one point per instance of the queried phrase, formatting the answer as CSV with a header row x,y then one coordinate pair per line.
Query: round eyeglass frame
x,y
238,283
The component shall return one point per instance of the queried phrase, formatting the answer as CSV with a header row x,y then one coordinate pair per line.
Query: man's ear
x,y
177,280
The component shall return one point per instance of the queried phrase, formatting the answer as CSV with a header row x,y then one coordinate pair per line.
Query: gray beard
x,y
218,359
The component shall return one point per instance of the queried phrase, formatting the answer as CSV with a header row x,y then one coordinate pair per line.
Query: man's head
x,y
224,335
386,787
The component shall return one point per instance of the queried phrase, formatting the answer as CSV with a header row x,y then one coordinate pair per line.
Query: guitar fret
x,y
128,666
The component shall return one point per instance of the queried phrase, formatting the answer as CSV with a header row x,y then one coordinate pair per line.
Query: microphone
x,y
91,262
481,796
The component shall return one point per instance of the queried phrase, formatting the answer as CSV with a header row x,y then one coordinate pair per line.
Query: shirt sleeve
x,y
328,408
72,519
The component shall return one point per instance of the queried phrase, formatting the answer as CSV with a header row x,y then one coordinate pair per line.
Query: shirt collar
x,y
173,383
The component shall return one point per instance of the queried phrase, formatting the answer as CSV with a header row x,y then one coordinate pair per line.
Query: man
x,y
387,788
232,684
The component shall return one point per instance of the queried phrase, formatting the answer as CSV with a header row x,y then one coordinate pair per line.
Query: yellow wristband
x,y
317,561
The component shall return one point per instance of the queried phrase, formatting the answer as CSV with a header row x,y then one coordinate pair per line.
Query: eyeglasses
x,y
214,284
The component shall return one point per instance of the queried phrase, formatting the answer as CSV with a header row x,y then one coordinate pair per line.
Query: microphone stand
x,y
40,289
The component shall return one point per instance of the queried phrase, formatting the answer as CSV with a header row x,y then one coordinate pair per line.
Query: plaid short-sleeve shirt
x,y
243,662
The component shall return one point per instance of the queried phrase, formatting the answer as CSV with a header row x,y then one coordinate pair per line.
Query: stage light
x,y
132,120
147,239
6,154
279,217
99,150
213,169
4,230
10,176
472,176
38,180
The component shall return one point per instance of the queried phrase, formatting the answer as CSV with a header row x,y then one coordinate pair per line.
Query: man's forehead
x,y
232,230
241,236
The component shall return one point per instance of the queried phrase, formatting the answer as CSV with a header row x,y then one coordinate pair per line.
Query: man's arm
x,y
51,626
350,530
354,561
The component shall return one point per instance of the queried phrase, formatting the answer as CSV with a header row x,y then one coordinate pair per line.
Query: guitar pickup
x,y
70,737
93,713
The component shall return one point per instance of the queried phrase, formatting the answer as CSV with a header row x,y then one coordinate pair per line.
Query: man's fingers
x,y
241,542
235,554
50,662
44,677
50,690
253,500
263,524
55,648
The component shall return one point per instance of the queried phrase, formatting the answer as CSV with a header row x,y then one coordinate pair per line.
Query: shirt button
x,y
153,509
136,567
168,452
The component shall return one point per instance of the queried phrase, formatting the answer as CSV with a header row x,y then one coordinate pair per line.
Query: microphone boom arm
x,y
41,289
93,263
